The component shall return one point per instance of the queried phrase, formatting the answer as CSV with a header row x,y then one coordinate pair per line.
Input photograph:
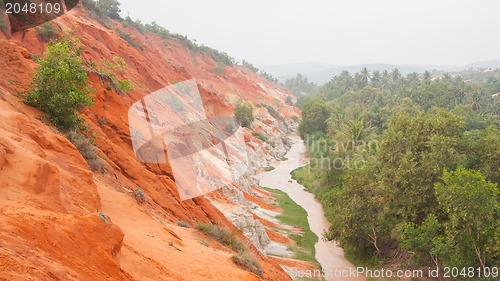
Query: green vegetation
x,y
247,263
99,9
300,86
127,37
109,69
249,66
3,23
60,86
268,76
407,163
260,136
244,114
183,224
270,168
229,239
296,216
111,8
139,196
271,110
103,217
86,149
102,121
222,236
220,68
314,116
154,28
203,242
46,31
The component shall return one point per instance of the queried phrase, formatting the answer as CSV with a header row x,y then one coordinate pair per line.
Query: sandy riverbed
x,y
328,254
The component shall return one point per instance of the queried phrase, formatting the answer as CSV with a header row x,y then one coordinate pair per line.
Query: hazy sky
x,y
341,32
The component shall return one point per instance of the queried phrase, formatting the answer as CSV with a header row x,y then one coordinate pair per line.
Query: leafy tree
x,y
289,100
471,204
300,85
110,7
356,217
376,77
419,239
60,86
345,80
483,150
413,155
427,75
244,114
395,75
314,116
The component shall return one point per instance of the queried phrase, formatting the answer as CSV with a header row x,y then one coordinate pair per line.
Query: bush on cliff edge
x,y
60,85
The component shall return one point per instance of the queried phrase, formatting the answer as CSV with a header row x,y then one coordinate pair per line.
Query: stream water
x,y
328,253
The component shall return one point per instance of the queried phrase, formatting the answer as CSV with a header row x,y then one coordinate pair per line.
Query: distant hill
x,y
291,69
321,73
484,64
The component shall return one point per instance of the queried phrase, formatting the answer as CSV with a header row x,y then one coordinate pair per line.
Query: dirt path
x,y
328,254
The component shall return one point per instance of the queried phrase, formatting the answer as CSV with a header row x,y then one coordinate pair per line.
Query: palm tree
x,y
476,101
446,77
358,81
385,79
412,77
355,131
345,80
335,121
365,76
375,80
427,75
395,75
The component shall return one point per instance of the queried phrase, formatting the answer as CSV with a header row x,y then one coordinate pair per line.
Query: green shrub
x,y
220,68
139,196
86,149
183,224
110,69
247,263
268,76
127,37
102,216
60,85
222,236
204,243
244,114
249,66
260,136
102,121
46,31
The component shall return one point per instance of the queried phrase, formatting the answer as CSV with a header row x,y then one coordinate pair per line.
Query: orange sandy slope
x,y
49,200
